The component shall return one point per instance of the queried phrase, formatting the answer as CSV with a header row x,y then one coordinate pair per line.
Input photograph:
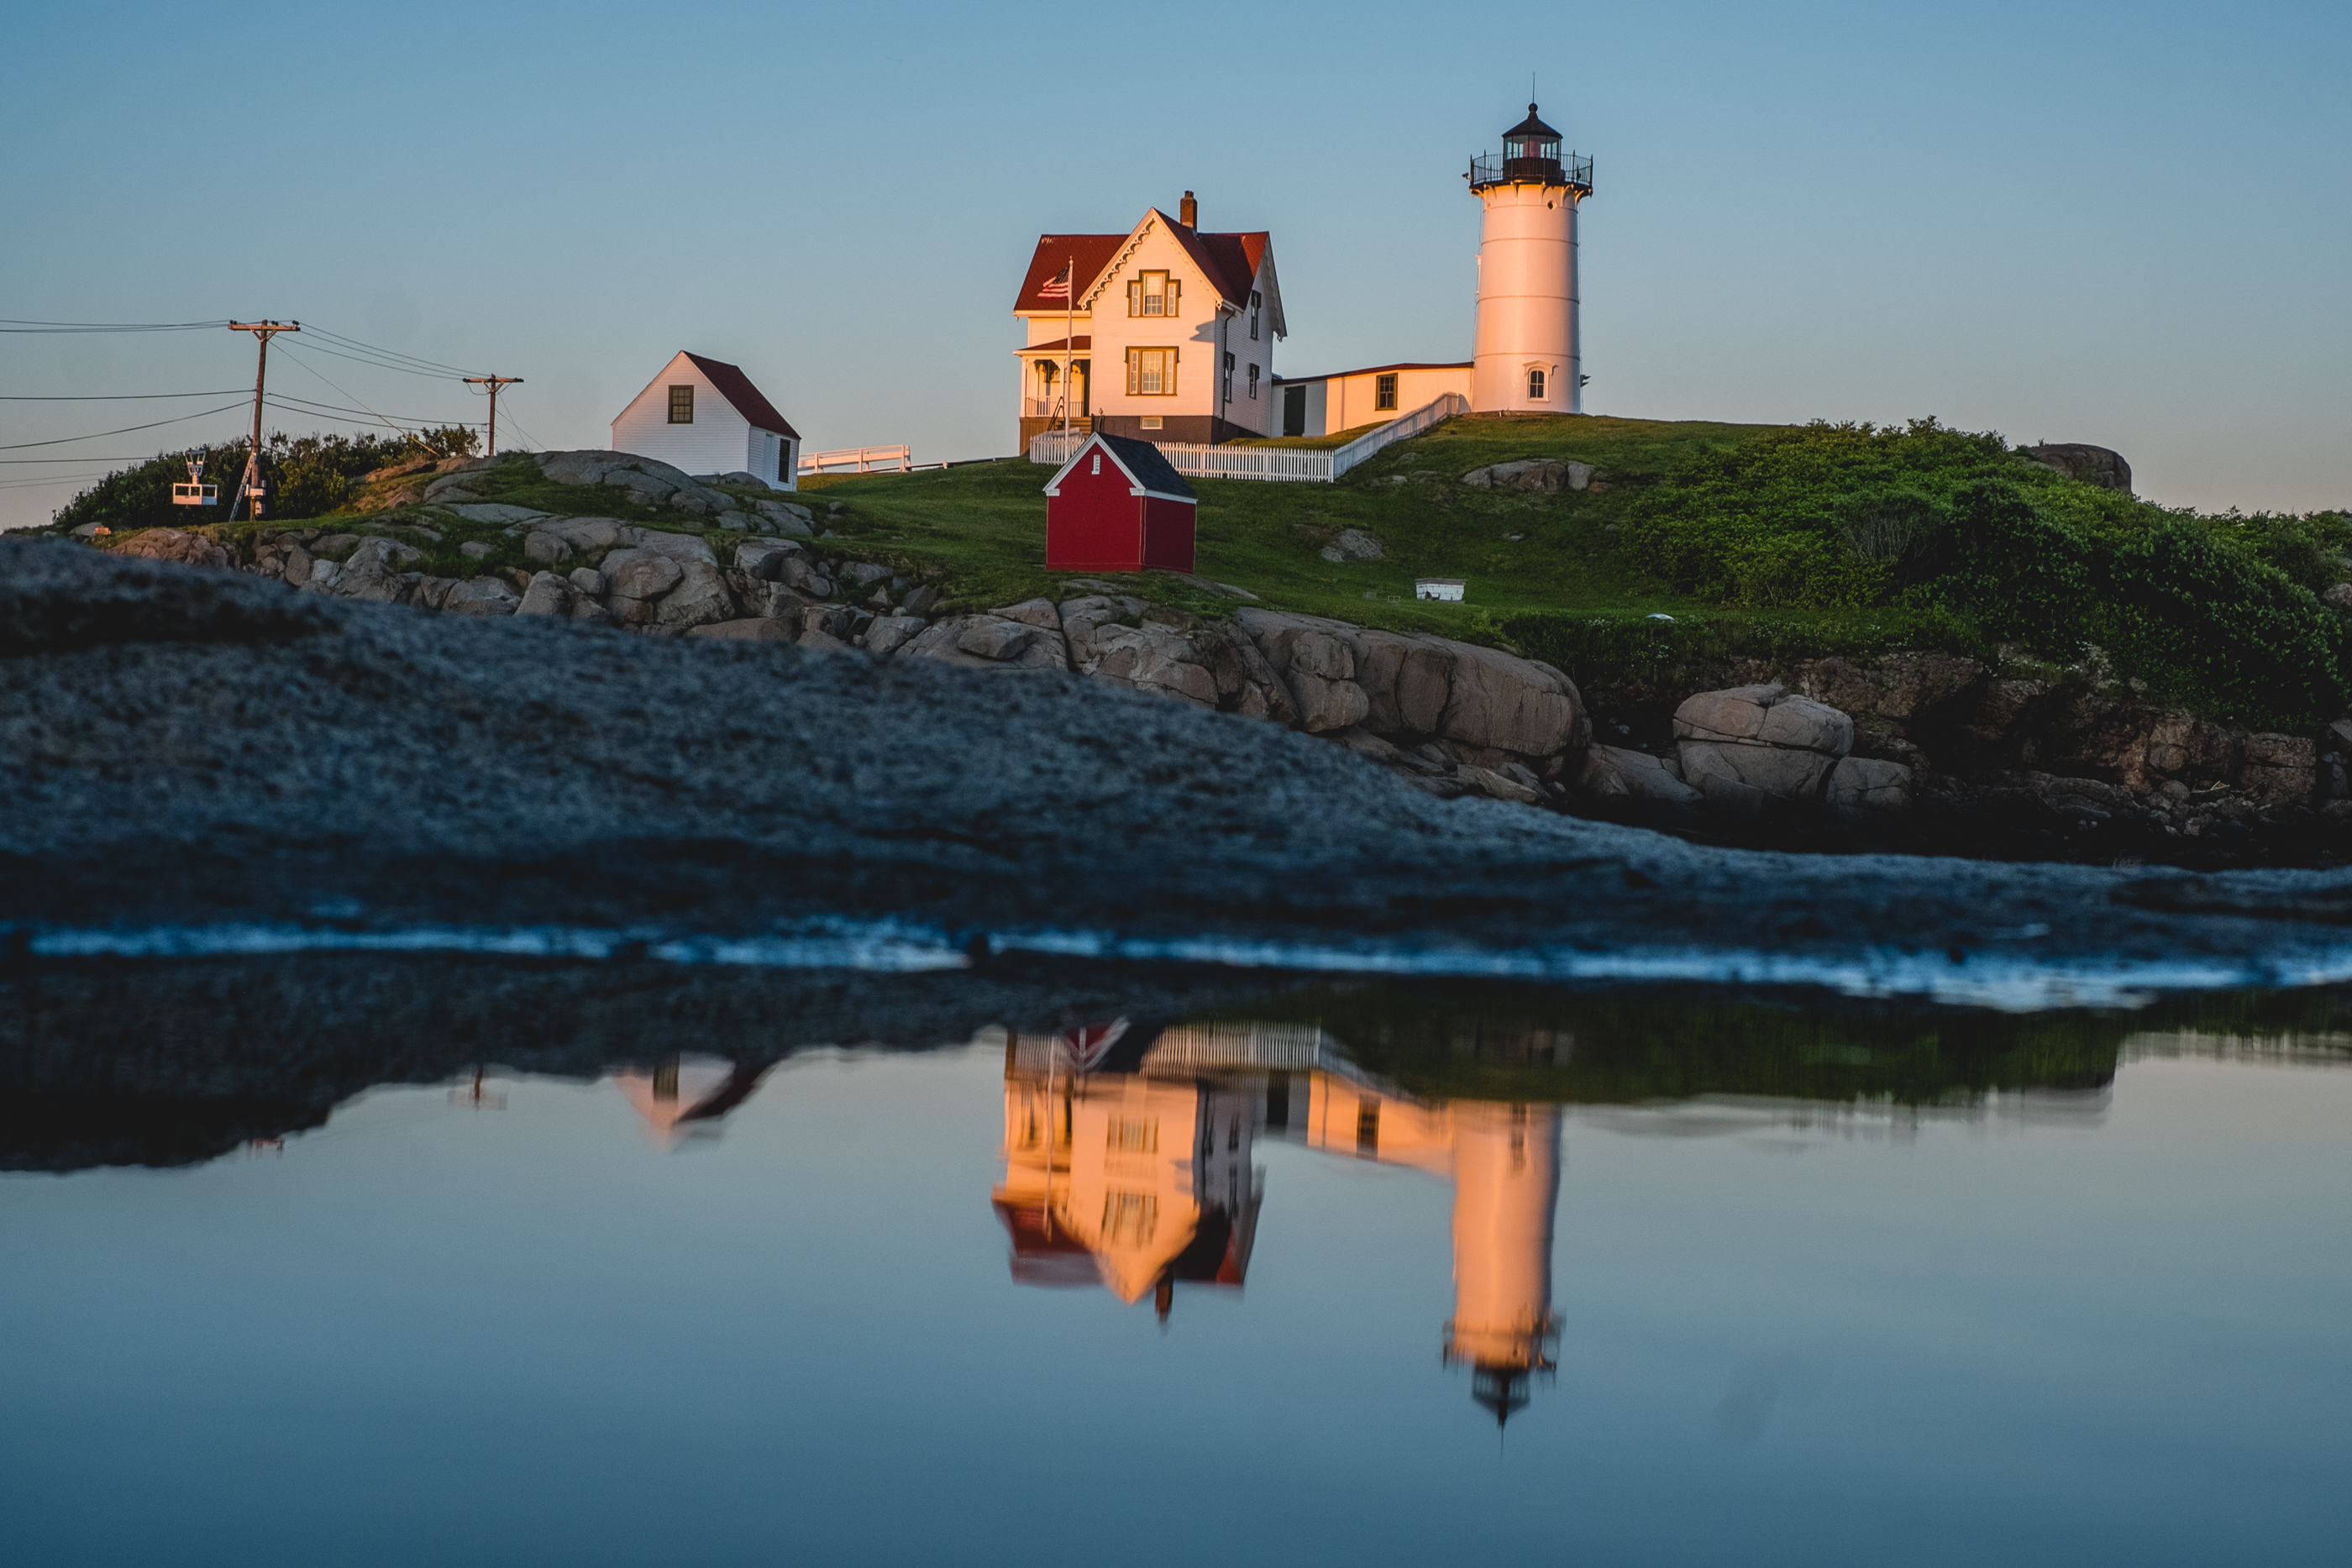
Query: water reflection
x,y
1129,1164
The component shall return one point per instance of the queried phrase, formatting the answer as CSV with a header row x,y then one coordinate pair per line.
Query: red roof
x,y
1230,262
1078,344
737,389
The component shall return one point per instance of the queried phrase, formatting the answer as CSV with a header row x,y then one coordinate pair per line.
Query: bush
x,y
307,476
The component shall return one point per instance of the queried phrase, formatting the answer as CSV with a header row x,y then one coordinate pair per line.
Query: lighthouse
x,y
1505,1190
1529,357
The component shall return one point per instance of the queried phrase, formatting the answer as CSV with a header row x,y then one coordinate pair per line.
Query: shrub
x,y
307,476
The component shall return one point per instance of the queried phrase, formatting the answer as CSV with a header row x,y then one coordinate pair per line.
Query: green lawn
x,y
984,524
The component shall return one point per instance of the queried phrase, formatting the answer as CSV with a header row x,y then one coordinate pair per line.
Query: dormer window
x,y
1153,294
1258,303
681,405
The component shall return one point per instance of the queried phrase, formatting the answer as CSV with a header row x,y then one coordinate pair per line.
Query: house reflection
x,y
1129,1164
683,1099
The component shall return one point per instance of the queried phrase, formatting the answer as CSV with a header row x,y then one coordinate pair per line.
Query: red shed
x,y
1119,506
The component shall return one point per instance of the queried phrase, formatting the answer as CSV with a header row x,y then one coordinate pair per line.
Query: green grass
x,y
984,525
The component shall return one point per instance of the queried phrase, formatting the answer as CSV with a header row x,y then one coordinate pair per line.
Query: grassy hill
x,y
1695,540
986,523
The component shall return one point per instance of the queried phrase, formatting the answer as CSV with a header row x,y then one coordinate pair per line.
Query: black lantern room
x,y
1531,157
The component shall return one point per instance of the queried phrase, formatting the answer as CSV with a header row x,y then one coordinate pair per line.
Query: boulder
x,y
1501,701
1540,473
684,548
758,629
2280,769
171,544
892,632
476,549
2098,465
374,574
988,642
734,522
1864,787
1615,773
1038,613
545,547
549,594
482,596
1761,738
497,513
587,580
742,477
1354,544
920,600
635,581
2338,597
589,537
700,597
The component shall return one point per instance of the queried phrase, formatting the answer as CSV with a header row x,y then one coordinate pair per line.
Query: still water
x,y
1608,1283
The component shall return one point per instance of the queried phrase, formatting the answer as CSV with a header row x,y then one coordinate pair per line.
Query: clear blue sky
x,y
2122,224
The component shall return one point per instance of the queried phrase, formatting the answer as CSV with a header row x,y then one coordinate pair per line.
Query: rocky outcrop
x,y
2092,465
1613,774
1742,747
1538,473
171,544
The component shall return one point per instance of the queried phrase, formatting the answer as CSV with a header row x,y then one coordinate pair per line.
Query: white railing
x,y
1293,465
1428,416
860,460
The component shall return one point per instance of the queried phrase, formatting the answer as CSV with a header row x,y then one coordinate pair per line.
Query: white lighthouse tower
x,y
1529,355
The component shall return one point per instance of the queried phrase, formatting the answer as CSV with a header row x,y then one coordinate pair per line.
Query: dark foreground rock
x,y
188,753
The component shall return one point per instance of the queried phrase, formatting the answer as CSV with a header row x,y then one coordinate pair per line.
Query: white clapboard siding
x,y
717,442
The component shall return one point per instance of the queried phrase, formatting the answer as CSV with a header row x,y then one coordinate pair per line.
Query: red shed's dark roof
x,y
737,389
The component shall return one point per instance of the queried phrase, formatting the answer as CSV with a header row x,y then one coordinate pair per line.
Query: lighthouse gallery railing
x,y
1292,465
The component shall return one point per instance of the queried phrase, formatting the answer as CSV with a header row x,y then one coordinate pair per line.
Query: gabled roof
x,y
737,389
1142,462
1229,261
1375,370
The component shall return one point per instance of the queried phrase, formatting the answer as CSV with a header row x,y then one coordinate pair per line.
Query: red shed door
x,y
1094,524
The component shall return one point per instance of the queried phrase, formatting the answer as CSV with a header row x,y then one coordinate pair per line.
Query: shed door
x,y
1294,411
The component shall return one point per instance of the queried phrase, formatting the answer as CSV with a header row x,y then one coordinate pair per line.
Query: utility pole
x,y
494,383
249,487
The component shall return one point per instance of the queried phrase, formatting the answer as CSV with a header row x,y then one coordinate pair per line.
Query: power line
x,y
306,404
353,396
114,397
150,458
382,364
93,435
7,325
388,353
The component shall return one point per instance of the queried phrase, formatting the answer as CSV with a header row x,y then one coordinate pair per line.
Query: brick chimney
x,y
1189,212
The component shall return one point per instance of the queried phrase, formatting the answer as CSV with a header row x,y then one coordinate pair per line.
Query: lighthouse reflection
x,y
1128,1164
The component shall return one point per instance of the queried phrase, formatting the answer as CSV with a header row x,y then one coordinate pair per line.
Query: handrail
x,y
1429,416
1280,465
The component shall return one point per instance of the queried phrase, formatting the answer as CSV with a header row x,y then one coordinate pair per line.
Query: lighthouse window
x,y
1151,373
1535,386
1384,392
1153,294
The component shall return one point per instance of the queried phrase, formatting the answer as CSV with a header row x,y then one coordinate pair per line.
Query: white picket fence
x,y
1291,464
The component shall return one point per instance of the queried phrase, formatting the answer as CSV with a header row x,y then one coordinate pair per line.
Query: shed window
x,y
681,405
1097,467
1535,384
1151,373
1153,294
1384,391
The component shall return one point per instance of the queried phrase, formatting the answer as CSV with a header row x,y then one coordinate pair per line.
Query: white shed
x,y
705,417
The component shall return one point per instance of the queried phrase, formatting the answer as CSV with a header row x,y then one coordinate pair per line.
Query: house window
x,y
1134,1137
1384,391
1153,294
1149,421
1229,378
1151,373
1252,382
1368,1128
1129,1218
681,405
1535,384
1257,302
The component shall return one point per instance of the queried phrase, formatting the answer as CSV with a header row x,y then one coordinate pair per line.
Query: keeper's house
x,y
705,417
1163,333
1119,506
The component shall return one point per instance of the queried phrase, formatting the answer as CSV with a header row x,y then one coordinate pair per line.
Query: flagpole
x,y
1069,342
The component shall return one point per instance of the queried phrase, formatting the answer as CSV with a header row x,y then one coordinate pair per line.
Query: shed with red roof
x,y
1119,506
705,417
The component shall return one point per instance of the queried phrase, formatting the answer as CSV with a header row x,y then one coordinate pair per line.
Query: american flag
x,y
1058,287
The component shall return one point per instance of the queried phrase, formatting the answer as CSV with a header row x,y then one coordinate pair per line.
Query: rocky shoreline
x,y
1915,753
